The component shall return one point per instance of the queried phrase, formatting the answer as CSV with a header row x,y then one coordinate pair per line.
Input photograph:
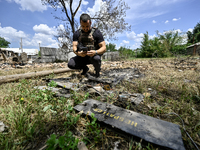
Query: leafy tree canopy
x,y
4,43
194,36
164,45
111,47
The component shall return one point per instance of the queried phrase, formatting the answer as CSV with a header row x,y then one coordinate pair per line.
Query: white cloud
x,y
134,36
43,39
44,36
137,38
12,35
153,21
167,21
175,19
43,28
148,8
126,42
32,5
135,46
179,31
96,7
152,36
190,29
174,31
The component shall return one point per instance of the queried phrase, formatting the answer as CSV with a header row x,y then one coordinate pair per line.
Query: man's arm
x,y
102,48
82,54
75,44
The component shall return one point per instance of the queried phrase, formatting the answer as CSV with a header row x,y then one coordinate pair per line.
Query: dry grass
x,y
176,83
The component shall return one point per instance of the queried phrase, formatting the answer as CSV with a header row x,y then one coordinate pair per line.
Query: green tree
x,y
162,46
4,43
126,52
111,47
156,47
146,49
170,39
194,36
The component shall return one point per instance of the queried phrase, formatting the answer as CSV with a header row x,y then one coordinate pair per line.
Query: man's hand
x,y
91,53
81,53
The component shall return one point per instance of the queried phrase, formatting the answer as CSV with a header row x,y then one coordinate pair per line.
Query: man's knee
x,y
97,58
71,64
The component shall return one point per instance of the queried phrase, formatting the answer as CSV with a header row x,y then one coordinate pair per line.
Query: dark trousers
x,y
79,62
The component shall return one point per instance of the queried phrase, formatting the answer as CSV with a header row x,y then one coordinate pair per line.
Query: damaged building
x,y
12,55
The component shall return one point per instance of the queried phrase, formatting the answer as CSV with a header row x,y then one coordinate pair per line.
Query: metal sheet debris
x,y
58,92
66,84
150,129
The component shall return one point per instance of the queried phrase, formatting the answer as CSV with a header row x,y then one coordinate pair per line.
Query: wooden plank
x,y
16,77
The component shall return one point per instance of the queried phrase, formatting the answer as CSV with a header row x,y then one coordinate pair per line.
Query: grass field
x,y
37,119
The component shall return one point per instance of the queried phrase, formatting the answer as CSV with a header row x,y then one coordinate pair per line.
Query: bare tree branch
x,y
77,8
109,20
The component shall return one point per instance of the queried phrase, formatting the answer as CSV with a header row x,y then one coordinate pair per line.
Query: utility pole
x,y
39,49
21,46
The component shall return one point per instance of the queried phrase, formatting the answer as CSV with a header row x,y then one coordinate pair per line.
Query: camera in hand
x,y
81,47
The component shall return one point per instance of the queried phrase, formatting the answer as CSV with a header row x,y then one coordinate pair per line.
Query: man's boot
x,y
97,74
85,70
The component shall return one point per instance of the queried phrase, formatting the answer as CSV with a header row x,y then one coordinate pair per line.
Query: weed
x,y
52,84
72,119
93,130
67,142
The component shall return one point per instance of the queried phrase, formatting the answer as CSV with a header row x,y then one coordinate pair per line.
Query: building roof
x,y
18,50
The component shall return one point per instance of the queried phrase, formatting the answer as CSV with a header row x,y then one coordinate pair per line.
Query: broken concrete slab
x,y
150,129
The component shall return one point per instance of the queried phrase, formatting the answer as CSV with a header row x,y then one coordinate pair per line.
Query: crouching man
x,y
92,40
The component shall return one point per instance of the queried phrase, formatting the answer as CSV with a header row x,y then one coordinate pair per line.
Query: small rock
x,y
180,70
147,94
187,81
137,99
137,76
82,146
116,145
2,126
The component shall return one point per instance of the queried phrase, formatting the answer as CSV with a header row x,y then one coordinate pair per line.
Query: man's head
x,y
85,22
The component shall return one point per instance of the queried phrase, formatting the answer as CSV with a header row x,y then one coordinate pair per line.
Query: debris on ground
x,y
150,129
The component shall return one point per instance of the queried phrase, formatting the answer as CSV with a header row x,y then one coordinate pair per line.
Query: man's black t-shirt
x,y
97,35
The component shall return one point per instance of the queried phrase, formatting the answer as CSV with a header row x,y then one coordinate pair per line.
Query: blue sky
x,y
35,23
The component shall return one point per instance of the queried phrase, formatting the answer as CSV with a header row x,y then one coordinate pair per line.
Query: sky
x,y
36,25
